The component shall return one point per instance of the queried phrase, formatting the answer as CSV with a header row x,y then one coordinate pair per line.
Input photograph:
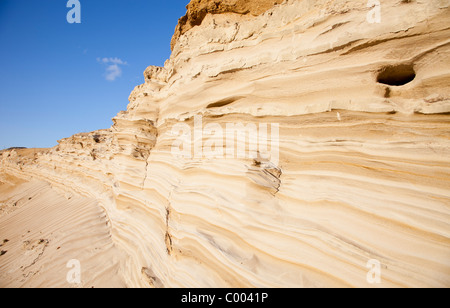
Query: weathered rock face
x,y
358,111
197,11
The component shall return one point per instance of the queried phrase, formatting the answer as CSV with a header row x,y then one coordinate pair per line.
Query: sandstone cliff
x,y
362,114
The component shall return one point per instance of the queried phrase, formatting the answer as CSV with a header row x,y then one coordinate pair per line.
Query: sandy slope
x,y
41,229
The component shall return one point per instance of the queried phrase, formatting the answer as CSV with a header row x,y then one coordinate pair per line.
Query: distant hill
x,y
13,148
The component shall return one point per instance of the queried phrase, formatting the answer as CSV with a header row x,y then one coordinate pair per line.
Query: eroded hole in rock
x,y
397,75
224,102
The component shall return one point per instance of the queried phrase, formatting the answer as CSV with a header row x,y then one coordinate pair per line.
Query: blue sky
x,y
58,79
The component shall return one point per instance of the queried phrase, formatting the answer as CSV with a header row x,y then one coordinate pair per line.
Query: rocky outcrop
x,y
358,111
197,11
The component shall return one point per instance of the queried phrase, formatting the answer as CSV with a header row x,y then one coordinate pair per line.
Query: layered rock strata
x,y
359,112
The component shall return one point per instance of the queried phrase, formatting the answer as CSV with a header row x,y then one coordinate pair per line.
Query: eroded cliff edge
x,y
363,171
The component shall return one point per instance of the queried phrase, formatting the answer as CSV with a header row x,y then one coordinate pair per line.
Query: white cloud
x,y
112,72
113,69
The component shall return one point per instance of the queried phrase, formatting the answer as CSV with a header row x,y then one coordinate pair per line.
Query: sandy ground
x,y
41,230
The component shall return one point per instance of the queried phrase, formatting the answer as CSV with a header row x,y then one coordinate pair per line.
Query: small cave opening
x,y
97,138
396,75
